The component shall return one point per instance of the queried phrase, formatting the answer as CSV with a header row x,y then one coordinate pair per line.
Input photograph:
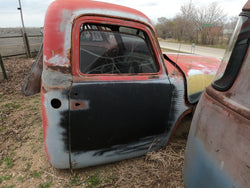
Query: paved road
x,y
200,50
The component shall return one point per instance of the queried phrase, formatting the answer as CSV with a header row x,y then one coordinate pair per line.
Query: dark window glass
x,y
109,49
234,56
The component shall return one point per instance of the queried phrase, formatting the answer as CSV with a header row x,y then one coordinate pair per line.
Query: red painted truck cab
x,y
218,147
108,93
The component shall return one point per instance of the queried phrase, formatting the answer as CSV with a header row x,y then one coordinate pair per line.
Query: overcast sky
x,y
34,10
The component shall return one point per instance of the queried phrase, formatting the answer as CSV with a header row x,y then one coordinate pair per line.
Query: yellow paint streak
x,y
198,83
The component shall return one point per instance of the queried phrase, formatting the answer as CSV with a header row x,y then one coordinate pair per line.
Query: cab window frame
x,y
125,23
226,81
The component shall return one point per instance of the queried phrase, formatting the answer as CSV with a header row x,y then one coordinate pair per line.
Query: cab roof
x,y
89,7
61,16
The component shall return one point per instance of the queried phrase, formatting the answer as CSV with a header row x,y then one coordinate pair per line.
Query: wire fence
x,y
12,42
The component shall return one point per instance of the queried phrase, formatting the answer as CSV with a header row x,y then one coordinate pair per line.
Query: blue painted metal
x,y
201,169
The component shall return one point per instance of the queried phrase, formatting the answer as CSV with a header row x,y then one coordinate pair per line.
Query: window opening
x,y
112,49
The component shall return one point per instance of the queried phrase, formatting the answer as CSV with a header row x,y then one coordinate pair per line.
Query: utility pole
x,y
25,38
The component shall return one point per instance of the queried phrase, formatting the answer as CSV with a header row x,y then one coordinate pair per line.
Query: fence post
x,y
3,69
25,38
26,44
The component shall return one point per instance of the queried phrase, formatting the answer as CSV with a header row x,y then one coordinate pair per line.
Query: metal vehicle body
x,y
107,92
218,148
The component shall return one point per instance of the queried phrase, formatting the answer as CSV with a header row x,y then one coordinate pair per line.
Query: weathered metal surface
x,y
100,118
32,82
218,148
199,72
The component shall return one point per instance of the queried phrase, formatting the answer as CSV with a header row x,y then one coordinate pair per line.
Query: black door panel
x,y
105,114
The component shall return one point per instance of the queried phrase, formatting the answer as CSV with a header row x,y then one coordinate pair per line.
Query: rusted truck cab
x,y
218,147
107,92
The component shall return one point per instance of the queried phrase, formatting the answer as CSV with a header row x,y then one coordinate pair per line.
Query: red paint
x,y
110,77
59,14
45,123
206,65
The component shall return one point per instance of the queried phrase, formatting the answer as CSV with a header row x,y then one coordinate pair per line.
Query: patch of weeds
x,y
3,178
12,105
3,118
8,162
94,181
36,174
34,151
45,185
24,158
20,178
75,180
36,101
27,167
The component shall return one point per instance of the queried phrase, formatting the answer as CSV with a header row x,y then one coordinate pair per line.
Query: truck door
x,y
119,104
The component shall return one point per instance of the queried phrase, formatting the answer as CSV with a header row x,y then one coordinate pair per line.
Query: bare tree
x,y
209,22
194,24
164,28
188,15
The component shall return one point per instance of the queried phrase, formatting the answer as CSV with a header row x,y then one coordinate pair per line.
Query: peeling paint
x,y
57,60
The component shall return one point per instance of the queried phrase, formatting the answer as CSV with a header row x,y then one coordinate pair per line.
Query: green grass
x,y
94,181
45,185
12,105
3,178
28,166
20,179
36,174
36,101
8,162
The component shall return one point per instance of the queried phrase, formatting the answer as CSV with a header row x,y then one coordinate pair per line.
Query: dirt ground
x,y
22,156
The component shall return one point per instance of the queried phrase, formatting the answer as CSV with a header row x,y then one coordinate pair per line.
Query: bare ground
x,y
22,156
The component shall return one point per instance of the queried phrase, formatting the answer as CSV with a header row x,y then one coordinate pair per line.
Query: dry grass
x,y
22,157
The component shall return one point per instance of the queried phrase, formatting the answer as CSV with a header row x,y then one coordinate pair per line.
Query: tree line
x,y
201,25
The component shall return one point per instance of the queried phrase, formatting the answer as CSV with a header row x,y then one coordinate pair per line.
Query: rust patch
x,y
229,95
43,90
153,77
64,70
220,98
69,56
58,51
77,105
